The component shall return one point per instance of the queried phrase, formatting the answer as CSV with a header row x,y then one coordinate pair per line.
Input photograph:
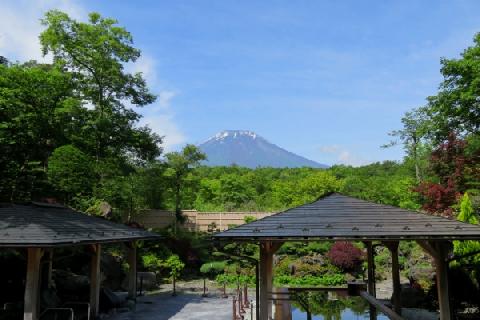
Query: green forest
x,y
70,133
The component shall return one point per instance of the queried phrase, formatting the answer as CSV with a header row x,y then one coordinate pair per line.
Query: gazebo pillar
x,y
267,249
370,269
441,264
132,271
440,251
95,279
397,303
371,277
30,310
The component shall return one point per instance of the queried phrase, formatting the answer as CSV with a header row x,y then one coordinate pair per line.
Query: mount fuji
x,y
248,149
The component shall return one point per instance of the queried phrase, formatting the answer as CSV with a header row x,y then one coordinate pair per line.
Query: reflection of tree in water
x,y
317,303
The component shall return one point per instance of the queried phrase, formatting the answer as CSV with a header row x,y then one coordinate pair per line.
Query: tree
x,y
95,54
456,169
70,171
467,214
456,107
176,266
179,165
210,269
38,112
415,129
345,255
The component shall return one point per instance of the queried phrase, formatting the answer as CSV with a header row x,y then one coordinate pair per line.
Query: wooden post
x,y
95,279
441,265
50,268
370,269
371,278
267,249
30,311
132,271
440,251
397,303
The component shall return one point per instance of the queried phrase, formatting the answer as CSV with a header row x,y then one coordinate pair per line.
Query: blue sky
x,y
325,79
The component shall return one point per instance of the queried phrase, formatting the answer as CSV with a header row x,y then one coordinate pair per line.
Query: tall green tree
x,y
38,112
456,107
412,136
95,53
179,166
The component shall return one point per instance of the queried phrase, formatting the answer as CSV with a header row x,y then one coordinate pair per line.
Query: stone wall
x,y
199,221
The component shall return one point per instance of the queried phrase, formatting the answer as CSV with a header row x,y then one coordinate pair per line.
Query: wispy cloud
x,y
343,156
159,116
20,26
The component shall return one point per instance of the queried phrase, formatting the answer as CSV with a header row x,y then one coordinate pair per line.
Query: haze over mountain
x,y
248,149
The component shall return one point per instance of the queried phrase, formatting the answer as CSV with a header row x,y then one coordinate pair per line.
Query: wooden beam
x,y
397,289
30,310
132,271
95,279
429,248
380,306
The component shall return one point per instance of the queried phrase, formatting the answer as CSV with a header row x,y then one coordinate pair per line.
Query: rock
x,y
105,209
148,280
113,272
412,297
70,282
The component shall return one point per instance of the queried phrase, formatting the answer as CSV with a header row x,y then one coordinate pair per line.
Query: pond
x,y
330,306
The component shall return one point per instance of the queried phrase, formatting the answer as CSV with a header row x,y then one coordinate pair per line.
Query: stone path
x,y
185,306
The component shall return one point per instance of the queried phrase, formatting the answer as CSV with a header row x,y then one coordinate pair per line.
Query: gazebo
x,y
40,228
339,217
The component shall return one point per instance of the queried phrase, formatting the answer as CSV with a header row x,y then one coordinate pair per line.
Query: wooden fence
x,y
198,221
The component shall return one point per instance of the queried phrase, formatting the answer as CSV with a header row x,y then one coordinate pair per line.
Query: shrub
x,y
345,255
309,280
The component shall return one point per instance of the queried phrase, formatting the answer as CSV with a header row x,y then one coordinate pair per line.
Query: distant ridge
x,y
248,149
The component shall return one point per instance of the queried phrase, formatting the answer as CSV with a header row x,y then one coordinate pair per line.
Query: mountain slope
x,y
247,149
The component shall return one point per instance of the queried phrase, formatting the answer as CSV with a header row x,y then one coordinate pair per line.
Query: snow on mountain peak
x,y
234,134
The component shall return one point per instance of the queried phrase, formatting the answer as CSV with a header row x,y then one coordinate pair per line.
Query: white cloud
x,y
344,156
164,125
160,117
20,26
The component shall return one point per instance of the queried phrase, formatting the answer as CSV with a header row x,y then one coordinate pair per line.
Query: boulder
x,y
148,280
412,297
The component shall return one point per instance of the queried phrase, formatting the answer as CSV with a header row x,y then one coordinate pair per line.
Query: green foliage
x,y
178,173
95,54
468,215
311,281
213,267
231,279
70,170
152,262
175,265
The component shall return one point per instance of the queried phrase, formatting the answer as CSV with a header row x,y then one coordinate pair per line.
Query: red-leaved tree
x,y
455,167
345,255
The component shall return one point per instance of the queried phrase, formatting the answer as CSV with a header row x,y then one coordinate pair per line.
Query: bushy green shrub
x,y
309,280
232,279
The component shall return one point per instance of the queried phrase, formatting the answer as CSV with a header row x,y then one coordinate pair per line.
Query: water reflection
x,y
329,306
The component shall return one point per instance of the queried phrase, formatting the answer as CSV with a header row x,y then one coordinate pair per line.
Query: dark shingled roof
x,y
340,217
44,225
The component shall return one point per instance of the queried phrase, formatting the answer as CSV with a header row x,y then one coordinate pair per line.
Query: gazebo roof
x,y
44,225
339,217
